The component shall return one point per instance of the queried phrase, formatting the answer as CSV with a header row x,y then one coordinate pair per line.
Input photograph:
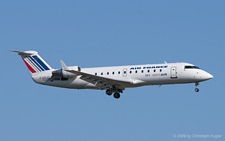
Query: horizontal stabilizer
x,y
24,53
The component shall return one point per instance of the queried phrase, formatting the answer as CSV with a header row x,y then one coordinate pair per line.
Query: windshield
x,y
191,67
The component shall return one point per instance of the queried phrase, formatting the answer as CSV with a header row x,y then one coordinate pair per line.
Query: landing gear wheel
x,y
196,90
108,92
116,95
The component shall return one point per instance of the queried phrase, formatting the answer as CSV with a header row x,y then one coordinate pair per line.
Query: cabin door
x,y
173,72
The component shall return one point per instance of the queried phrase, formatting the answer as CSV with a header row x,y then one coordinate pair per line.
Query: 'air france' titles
x,y
149,67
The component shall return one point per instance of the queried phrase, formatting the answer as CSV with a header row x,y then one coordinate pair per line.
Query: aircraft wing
x,y
98,81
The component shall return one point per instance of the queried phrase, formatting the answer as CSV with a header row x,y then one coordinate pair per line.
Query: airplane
x,y
114,79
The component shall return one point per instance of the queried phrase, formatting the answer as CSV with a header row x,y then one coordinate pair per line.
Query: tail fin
x,y
33,61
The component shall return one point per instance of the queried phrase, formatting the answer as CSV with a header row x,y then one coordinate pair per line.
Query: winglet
x,y
64,67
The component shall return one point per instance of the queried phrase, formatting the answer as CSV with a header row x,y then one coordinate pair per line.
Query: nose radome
x,y
210,76
207,76
203,75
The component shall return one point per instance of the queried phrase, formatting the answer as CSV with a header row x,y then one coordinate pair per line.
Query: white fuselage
x,y
112,79
137,75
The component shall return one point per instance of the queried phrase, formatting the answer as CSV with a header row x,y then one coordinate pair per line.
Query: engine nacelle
x,y
76,68
65,74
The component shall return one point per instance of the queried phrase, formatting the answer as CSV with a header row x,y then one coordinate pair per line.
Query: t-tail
x,y
33,61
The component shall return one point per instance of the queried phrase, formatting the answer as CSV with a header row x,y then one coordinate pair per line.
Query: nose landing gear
x,y
196,89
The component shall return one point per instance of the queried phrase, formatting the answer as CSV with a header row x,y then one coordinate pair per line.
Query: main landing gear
x,y
115,95
196,85
109,92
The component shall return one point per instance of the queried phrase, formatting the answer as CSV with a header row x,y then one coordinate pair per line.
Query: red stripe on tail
x,y
29,67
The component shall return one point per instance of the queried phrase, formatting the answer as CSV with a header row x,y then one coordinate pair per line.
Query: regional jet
x,y
115,79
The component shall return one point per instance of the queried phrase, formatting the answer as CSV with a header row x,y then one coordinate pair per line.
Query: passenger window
x,y
107,73
130,72
118,72
112,72
154,70
148,71
102,73
160,70
142,71
136,71
124,72
95,73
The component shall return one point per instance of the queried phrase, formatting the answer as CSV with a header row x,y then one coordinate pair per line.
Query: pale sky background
x,y
107,33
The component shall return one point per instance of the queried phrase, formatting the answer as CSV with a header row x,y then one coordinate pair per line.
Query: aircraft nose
x,y
208,76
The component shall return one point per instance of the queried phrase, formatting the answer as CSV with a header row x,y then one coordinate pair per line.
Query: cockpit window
x,y
188,67
191,67
195,67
